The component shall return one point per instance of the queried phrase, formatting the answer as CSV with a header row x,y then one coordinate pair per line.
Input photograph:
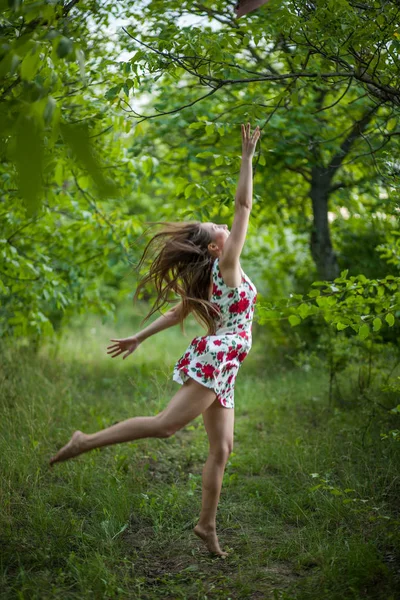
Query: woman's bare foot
x,y
209,536
74,447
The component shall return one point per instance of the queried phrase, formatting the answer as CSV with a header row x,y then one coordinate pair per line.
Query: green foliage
x,y
68,266
348,302
71,131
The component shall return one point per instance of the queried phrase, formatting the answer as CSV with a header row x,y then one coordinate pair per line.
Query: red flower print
x,y
220,355
230,295
217,342
242,356
239,307
243,334
230,378
238,346
198,365
183,362
208,371
185,370
232,354
201,346
242,294
254,299
216,291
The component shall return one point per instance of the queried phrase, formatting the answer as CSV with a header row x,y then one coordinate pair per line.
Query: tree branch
x,y
355,132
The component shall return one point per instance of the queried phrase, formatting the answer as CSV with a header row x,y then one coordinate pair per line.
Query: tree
x,y
283,83
65,101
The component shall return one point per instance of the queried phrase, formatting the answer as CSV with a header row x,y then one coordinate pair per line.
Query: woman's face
x,y
218,233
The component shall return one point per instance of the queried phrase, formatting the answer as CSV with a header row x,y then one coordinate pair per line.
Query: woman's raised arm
x,y
243,202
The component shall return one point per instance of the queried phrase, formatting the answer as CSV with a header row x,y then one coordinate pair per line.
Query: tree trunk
x,y
320,242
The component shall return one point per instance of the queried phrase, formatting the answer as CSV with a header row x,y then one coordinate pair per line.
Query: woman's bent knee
x,y
222,453
164,430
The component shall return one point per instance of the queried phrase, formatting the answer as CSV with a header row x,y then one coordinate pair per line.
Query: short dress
x,y
214,360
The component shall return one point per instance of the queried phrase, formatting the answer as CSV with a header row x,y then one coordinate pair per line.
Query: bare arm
x,y
168,319
229,260
129,344
244,190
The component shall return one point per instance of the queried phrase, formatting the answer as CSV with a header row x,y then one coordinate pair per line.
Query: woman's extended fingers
x,y
246,132
256,133
115,349
115,352
127,345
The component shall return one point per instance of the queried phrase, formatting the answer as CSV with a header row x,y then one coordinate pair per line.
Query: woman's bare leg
x,y
219,424
189,402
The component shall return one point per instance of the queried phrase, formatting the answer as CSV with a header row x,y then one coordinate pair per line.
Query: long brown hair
x,y
182,265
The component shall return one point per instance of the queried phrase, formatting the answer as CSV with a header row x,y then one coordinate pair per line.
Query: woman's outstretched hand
x,y
127,345
249,142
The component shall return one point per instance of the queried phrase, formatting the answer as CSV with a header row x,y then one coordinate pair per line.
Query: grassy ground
x,y
309,505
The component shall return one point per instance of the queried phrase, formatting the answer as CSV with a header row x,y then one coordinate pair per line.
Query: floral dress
x,y
214,360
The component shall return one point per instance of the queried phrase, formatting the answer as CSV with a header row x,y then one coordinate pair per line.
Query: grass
x,y
309,504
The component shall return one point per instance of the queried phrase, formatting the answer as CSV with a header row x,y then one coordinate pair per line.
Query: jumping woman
x,y
199,262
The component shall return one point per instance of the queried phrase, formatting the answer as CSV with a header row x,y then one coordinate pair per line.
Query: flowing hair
x,y
182,265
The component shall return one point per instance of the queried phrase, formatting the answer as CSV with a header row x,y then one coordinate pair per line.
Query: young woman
x,y
200,263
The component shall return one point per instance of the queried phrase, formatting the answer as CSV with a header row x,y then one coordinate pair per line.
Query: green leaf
x,y
391,124
189,189
303,310
30,65
315,487
113,92
341,326
364,331
204,154
294,320
377,324
197,125
64,47
77,138
389,319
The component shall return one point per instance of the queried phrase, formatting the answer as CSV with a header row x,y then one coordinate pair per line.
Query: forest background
x,y
116,115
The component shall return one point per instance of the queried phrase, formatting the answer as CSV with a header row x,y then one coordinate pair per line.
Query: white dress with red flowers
x,y
214,360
